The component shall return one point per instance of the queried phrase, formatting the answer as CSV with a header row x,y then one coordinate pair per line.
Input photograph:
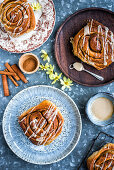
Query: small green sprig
x,y
49,69
66,83
55,77
45,56
44,67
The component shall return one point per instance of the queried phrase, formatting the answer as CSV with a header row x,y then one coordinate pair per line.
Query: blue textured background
x,y
80,94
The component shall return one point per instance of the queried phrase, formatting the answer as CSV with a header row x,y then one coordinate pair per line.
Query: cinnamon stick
x,y
19,73
5,85
11,70
8,73
12,79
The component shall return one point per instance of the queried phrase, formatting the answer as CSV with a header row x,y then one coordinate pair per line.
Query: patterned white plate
x,y
34,39
21,145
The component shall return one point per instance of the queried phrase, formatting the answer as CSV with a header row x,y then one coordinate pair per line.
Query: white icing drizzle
x,y
27,130
60,125
100,29
48,137
47,112
101,167
13,17
47,130
21,8
105,43
112,41
106,46
42,124
41,139
106,32
52,115
22,119
20,29
32,109
33,135
14,7
33,121
25,16
91,25
104,161
25,116
110,162
92,63
35,126
86,31
87,51
97,166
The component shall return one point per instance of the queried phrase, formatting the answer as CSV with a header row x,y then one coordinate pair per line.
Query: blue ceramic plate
x,y
21,145
89,113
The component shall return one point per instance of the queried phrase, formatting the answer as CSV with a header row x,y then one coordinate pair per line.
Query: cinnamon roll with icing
x,y
102,159
94,45
42,124
17,17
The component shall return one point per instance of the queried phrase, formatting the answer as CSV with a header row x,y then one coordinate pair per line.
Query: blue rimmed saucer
x,y
19,143
90,114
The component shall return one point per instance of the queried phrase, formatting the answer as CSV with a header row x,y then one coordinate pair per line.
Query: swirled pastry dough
x,y
42,123
17,17
102,159
94,45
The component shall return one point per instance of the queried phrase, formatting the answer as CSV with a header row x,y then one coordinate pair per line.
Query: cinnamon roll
x,y
94,45
102,159
17,17
42,124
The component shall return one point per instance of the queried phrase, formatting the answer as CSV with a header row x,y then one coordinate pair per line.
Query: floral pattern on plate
x,y
34,39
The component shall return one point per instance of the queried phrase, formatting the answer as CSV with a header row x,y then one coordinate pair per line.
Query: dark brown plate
x,y
63,47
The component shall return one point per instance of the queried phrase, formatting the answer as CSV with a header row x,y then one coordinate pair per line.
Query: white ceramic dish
x,y
89,112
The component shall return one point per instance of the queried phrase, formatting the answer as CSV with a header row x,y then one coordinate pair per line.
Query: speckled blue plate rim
x,y
97,95
73,143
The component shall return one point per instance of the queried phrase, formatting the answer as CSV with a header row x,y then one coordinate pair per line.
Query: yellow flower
x,y
44,67
50,69
55,77
45,56
66,83
36,6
